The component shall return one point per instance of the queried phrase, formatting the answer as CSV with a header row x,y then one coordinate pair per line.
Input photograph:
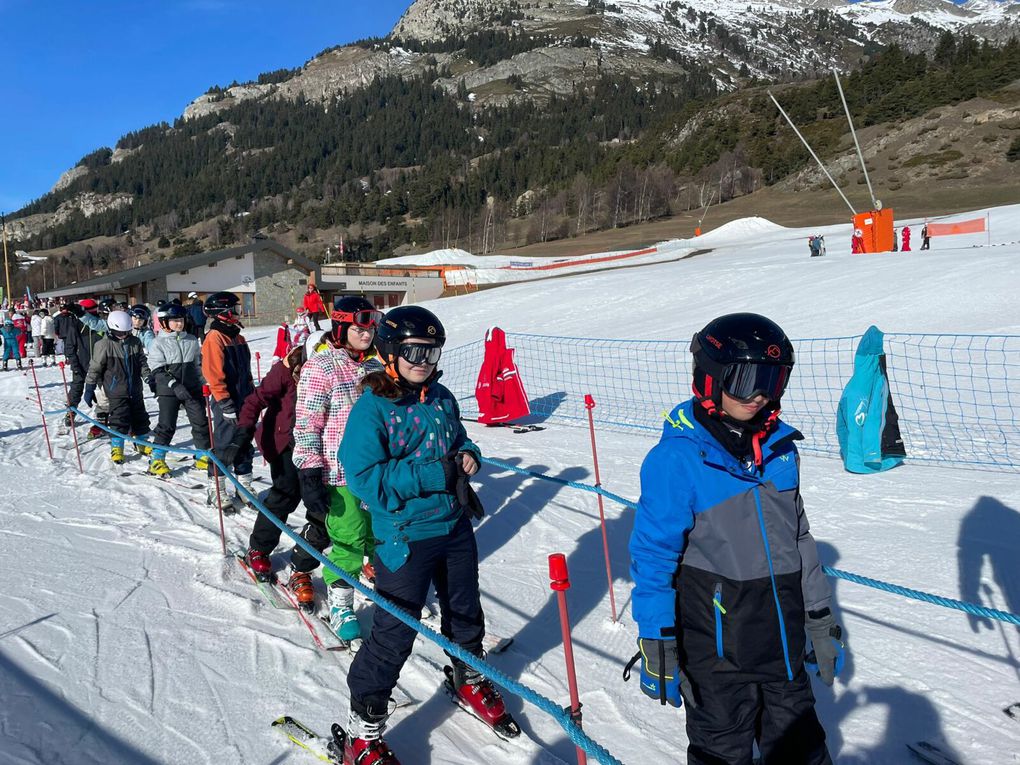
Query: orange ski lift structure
x,y
873,230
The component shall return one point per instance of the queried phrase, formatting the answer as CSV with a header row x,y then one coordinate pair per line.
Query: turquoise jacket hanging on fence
x,y
866,421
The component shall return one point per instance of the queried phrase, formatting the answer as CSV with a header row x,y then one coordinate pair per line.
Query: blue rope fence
x,y
959,605
953,393
558,713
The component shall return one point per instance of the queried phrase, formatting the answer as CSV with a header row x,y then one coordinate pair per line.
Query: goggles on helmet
x,y
366,319
420,353
747,380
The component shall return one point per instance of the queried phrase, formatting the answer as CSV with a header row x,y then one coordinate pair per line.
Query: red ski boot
x,y
260,565
479,696
362,742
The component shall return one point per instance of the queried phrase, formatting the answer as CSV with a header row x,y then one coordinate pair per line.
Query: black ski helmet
x,y
222,306
341,318
169,312
744,354
402,323
140,311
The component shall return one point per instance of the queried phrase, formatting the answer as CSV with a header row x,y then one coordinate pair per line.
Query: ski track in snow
x,y
127,637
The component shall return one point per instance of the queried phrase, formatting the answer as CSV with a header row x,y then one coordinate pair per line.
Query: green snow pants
x,y
350,530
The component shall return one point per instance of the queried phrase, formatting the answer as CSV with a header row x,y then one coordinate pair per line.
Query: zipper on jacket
x,y
775,590
717,607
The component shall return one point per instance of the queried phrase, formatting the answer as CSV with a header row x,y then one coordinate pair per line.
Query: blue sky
x,y
78,75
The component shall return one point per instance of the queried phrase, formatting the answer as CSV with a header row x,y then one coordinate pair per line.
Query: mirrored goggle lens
x,y
365,319
749,380
416,353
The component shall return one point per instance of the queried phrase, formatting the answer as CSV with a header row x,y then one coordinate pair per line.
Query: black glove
x,y
227,409
314,494
151,382
826,641
180,391
467,498
89,397
229,452
452,470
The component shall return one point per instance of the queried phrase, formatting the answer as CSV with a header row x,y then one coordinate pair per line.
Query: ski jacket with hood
x,y
276,395
326,393
867,425
119,366
79,343
391,453
226,363
176,358
722,557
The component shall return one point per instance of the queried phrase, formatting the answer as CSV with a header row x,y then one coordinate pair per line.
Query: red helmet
x,y
89,304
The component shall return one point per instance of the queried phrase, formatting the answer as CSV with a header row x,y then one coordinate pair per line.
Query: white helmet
x,y
313,343
119,321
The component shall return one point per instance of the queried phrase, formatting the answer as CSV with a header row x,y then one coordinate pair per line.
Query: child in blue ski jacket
x,y
726,573
406,455
11,336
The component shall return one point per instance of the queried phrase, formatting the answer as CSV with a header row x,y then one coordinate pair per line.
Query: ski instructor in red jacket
x,y
314,305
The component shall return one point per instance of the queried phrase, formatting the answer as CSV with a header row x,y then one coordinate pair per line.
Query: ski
x,y
506,727
350,646
491,643
931,753
304,737
266,588
515,427
164,479
1013,711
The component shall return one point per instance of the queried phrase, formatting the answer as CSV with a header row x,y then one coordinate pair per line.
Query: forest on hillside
x,y
404,161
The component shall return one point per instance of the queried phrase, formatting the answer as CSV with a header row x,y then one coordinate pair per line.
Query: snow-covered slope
x,y
125,637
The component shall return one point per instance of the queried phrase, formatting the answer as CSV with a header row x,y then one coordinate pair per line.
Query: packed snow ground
x,y
125,637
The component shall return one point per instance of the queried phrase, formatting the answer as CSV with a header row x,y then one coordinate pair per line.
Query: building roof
x,y
121,280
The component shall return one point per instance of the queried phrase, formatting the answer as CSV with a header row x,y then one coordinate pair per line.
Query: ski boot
x,y
144,450
202,463
260,565
479,696
300,583
117,451
362,743
158,466
5,365
246,483
216,495
342,619
95,432
368,571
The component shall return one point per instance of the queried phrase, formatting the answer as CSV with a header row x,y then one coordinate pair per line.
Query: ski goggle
x,y
746,380
419,353
366,319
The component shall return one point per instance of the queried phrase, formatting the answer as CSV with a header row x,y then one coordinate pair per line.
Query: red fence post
x,y
258,366
67,400
216,475
559,581
589,404
38,396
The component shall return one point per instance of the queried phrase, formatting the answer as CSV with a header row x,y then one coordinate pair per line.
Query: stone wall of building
x,y
279,287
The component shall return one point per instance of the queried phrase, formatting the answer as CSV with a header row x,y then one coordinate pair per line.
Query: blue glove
x,y
661,676
89,397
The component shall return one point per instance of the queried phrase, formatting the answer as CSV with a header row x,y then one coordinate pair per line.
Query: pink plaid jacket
x,y
326,392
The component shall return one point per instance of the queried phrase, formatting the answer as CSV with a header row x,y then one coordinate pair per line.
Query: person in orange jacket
x,y
314,305
226,367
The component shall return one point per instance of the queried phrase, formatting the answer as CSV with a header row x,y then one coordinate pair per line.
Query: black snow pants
x,y
224,431
731,715
128,415
169,408
449,562
281,500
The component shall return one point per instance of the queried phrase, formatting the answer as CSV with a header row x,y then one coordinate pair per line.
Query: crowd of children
x,y
355,425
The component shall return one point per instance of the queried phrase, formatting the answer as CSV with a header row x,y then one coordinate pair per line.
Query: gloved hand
x,y
229,452
826,644
151,382
467,498
89,397
314,494
180,391
661,676
227,409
